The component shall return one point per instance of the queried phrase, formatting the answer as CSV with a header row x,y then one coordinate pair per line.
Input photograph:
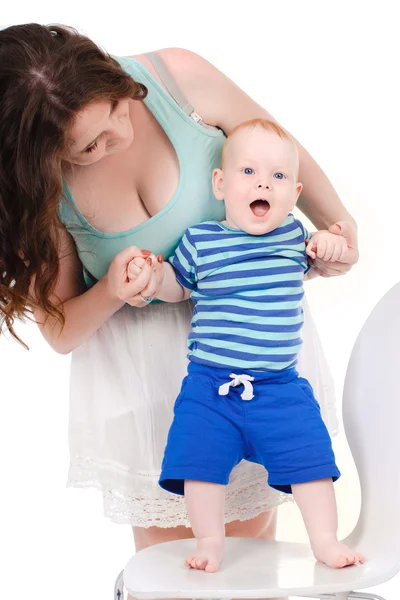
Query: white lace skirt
x,y
124,382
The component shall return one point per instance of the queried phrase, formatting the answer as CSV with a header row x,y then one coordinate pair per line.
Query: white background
x,y
328,72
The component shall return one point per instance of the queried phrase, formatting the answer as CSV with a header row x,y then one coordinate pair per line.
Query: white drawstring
x,y
238,380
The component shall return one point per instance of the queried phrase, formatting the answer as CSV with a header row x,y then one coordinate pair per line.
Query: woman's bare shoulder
x,y
177,61
177,58
214,96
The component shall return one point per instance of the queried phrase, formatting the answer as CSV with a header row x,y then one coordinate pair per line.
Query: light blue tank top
x,y
198,149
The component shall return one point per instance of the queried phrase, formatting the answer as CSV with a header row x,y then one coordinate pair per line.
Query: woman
x,y
99,157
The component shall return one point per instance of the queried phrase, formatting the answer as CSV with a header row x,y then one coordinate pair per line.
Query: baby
x,y
245,277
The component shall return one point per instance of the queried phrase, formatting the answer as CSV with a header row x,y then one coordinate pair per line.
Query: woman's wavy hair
x,y
47,74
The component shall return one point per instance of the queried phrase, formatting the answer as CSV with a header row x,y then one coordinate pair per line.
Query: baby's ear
x,y
218,183
299,187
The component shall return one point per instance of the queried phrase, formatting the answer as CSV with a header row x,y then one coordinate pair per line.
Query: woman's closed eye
x,y
92,148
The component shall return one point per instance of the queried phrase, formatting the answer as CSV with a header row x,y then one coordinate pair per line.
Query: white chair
x,y
261,569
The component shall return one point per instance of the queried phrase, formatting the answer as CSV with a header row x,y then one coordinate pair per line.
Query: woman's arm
x,y
86,311
222,103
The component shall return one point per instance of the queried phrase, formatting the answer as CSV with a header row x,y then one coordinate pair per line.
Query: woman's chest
x,y
128,188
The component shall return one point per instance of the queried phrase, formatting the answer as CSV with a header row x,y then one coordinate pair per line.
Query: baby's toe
x,y
188,561
211,568
359,558
201,563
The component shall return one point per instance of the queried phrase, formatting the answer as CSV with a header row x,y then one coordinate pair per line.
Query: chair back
x,y
371,416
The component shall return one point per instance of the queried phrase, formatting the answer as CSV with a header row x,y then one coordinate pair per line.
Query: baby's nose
x,y
262,185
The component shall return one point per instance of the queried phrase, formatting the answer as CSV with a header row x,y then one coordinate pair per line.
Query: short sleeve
x,y
306,236
306,233
184,262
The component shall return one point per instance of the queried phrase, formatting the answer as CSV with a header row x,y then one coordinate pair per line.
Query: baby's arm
x,y
171,290
179,276
311,274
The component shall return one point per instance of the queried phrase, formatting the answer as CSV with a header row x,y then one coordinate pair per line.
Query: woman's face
x,y
100,129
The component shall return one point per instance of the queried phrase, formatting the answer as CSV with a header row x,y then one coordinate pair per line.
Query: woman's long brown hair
x,y
47,74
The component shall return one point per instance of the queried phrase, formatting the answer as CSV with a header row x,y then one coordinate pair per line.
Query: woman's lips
x,y
260,207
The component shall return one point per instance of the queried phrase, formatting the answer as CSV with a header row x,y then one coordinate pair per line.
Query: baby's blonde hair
x,y
251,124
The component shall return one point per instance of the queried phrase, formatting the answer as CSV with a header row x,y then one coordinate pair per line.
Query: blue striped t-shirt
x,y
247,292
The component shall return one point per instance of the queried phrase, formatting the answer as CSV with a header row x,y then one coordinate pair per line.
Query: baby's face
x,y
259,180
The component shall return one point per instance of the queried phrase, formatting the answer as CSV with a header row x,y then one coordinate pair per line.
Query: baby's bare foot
x,y
336,555
208,554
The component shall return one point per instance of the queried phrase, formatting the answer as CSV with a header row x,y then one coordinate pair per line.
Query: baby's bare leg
x,y
317,503
205,506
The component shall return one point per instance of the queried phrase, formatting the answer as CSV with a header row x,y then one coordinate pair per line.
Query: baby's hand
x,y
327,246
135,267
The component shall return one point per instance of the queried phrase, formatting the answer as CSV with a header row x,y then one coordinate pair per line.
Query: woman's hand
x,y
145,285
329,269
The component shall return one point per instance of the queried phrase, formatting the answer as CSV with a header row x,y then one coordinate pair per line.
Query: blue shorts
x,y
280,427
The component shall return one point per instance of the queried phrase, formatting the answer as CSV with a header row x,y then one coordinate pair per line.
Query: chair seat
x,y
251,568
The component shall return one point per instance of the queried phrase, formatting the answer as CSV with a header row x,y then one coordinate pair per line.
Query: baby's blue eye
x,y
279,176
248,171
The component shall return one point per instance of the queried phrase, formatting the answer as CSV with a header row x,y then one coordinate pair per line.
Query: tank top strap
x,y
172,86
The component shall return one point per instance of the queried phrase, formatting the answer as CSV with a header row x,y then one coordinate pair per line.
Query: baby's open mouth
x,y
260,207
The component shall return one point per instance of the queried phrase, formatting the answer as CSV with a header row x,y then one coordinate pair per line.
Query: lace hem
x,y
157,508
